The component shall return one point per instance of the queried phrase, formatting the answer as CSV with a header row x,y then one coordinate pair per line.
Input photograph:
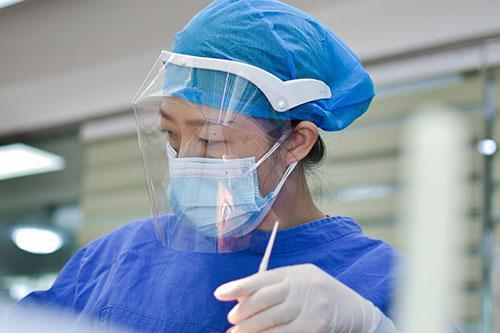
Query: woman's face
x,y
199,131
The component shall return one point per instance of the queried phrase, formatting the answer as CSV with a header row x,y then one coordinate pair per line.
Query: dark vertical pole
x,y
488,223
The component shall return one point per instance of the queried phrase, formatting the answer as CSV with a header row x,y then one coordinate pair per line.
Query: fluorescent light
x,y
21,286
7,3
19,291
18,160
37,240
487,147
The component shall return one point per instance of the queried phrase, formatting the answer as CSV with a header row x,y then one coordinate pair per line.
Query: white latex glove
x,y
299,298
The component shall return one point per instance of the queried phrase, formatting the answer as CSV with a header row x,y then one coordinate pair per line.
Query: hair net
x,y
206,87
286,42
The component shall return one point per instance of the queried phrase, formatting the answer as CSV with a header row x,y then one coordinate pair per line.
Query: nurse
x,y
228,124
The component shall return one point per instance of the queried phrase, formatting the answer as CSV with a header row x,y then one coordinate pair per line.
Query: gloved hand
x,y
299,298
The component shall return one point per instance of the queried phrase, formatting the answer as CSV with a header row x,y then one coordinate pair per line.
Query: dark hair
x,y
316,154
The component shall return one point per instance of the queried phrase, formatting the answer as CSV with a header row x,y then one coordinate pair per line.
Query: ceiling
x,y
67,61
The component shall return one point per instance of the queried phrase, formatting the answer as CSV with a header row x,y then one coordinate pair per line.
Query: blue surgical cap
x,y
288,43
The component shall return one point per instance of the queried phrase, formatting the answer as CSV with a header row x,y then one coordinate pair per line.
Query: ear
x,y
301,141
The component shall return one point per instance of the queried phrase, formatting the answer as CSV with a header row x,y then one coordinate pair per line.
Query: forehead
x,y
179,111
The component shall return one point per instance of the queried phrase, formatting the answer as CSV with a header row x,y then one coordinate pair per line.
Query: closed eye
x,y
210,142
168,133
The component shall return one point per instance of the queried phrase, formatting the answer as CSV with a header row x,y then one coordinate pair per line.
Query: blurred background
x,y
70,167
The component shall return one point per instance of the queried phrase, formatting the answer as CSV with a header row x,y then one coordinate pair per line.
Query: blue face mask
x,y
220,197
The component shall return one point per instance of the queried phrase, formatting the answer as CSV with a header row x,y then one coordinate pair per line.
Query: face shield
x,y
212,133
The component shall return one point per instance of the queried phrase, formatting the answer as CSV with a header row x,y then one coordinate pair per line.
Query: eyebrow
x,y
193,122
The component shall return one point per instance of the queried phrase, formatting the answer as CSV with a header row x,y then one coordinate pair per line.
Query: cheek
x,y
184,140
243,145
269,174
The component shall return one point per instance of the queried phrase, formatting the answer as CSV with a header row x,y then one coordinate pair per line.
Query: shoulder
x,y
376,270
366,251
90,264
126,238
351,244
372,257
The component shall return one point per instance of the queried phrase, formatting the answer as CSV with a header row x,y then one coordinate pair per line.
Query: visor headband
x,y
282,95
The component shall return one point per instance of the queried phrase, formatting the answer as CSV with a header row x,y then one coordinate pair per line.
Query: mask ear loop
x,y
285,176
171,152
272,150
288,171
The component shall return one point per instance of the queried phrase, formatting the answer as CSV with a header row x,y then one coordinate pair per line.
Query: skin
x,y
199,131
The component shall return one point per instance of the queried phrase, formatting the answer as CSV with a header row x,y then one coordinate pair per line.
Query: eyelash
x,y
207,142
168,133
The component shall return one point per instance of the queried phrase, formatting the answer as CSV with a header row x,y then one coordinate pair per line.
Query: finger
x,y
294,326
242,298
277,315
246,286
260,300
280,329
286,328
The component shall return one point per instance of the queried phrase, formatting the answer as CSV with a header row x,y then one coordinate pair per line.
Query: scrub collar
x,y
304,236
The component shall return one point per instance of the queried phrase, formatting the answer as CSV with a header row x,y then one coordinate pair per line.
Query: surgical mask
x,y
220,197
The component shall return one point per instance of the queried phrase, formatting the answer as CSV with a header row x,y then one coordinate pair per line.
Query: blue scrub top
x,y
129,279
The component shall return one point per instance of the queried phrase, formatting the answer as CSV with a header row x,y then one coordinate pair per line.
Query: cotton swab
x,y
269,248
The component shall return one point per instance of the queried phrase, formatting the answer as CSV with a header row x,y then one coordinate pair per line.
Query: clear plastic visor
x,y
213,150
